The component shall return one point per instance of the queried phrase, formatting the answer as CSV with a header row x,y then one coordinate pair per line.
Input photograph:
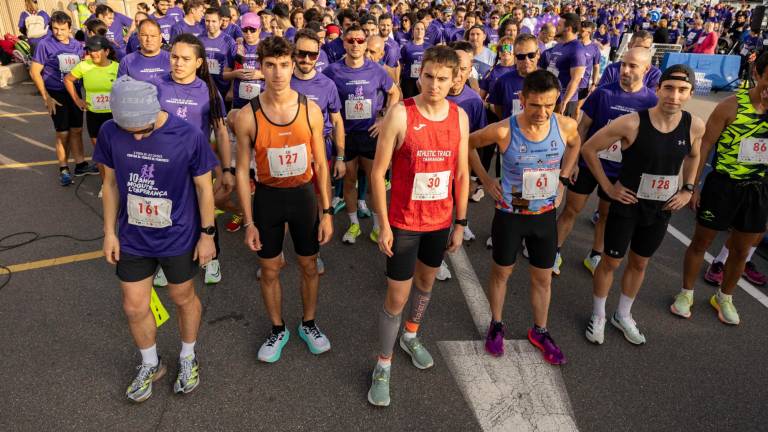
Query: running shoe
x,y
160,279
547,346
272,348
468,234
353,232
374,235
235,223
494,340
443,273
753,275
316,341
362,210
558,263
524,250
595,217
378,394
726,311
141,387
320,266
591,262
595,330
213,272
714,274
682,305
628,326
478,195
387,185
87,169
338,204
65,178
489,243
420,357
189,375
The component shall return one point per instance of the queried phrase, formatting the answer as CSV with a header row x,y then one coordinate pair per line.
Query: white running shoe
x,y
316,341
443,274
160,280
478,195
320,266
468,234
628,326
213,272
596,330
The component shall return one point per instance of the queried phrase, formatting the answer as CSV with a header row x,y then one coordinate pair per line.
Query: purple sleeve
x,y
102,153
390,56
232,53
609,76
22,17
591,104
579,58
494,96
124,20
122,68
386,80
41,53
203,159
334,103
482,117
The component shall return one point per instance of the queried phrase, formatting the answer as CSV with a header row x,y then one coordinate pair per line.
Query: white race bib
x,y
701,39
517,107
67,62
612,153
657,187
213,66
287,161
553,69
430,186
149,212
248,90
744,51
100,101
540,183
359,109
646,25
753,151
415,69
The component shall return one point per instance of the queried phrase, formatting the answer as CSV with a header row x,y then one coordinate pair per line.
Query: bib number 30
x,y
431,186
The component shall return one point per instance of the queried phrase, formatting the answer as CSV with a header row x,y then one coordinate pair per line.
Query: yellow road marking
x,y
31,164
33,265
28,114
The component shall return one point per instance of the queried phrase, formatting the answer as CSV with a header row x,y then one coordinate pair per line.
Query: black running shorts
x,y
539,231
586,183
359,144
94,121
274,207
178,269
623,230
407,246
68,115
739,204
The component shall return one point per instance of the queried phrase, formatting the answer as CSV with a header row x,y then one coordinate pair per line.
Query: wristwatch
x,y
462,222
210,230
565,181
230,170
328,211
688,187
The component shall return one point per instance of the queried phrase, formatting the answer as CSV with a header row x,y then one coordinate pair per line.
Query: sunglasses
x,y
312,55
523,56
352,41
249,30
505,48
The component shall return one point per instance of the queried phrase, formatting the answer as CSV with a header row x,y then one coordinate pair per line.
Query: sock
x,y
686,291
276,329
187,349
353,218
594,253
751,252
598,306
539,330
309,324
149,356
389,326
723,296
625,306
82,164
722,256
411,328
361,203
375,220
384,362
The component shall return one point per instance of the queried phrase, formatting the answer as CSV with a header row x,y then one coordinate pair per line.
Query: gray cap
x,y
134,103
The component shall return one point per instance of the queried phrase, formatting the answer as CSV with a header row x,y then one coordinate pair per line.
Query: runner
x,y
285,132
163,19
734,193
161,201
220,51
612,74
248,79
505,94
150,61
567,61
411,55
392,47
55,56
425,139
192,23
539,149
606,104
592,61
655,144
133,44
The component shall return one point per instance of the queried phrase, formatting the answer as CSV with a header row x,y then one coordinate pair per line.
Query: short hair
x,y
588,25
314,26
540,81
213,11
346,14
421,14
526,37
354,27
462,45
274,46
306,33
460,9
442,55
150,22
571,20
385,16
761,63
61,17
312,14
103,10
192,4
367,19
97,27
641,35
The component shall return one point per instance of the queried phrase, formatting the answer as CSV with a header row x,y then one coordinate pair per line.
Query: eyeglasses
x,y
249,30
523,56
312,55
353,41
140,132
505,48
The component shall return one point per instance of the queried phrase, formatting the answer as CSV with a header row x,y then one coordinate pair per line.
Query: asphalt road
x,y
67,355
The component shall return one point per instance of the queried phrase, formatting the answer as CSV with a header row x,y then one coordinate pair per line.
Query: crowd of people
x,y
284,114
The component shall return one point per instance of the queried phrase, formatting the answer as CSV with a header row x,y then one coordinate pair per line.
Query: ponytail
x,y
216,115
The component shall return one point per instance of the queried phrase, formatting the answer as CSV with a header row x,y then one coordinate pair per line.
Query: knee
x,y
269,273
182,297
608,264
135,309
637,265
308,267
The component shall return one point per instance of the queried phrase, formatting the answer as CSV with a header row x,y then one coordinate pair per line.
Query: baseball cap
x,y
250,20
332,29
134,103
96,43
673,73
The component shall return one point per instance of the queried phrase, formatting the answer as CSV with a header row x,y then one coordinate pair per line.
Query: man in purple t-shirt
x,y
194,10
220,51
640,39
592,65
158,210
505,95
162,16
567,62
150,61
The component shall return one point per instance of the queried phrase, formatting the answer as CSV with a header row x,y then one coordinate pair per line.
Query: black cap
x,y
96,43
224,11
673,73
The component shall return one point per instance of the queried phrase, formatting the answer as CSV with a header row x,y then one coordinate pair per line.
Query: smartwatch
x,y
328,211
566,181
210,230
230,170
462,222
688,187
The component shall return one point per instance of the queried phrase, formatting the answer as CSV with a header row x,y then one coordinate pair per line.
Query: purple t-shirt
x,y
592,55
410,57
23,27
180,27
391,52
402,37
249,60
321,90
471,103
58,59
362,92
220,52
233,31
166,23
115,31
159,214
176,13
434,34
189,102
612,73
488,80
506,93
608,103
322,61
133,43
139,67
561,58
335,50
602,38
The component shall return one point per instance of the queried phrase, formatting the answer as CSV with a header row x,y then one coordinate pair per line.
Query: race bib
x,y
67,62
415,69
359,109
149,212
248,90
753,151
646,25
745,51
517,107
287,161
701,39
657,187
690,37
214,68
540,183
612,153
100,101
430,186
553,69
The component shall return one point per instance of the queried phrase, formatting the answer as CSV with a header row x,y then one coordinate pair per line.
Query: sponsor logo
x,y
419,127
707,215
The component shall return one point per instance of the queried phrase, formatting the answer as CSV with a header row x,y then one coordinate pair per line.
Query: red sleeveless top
x,y
423,169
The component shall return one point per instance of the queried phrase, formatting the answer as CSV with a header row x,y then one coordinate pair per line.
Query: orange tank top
x,y
283,153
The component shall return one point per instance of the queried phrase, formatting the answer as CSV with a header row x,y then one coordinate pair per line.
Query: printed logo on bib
x,y
540,183
214,68
287,161
430,186
149,212
100,101
753,151
67,62
248,90
357,109
657,187
415,69
517,107
612,153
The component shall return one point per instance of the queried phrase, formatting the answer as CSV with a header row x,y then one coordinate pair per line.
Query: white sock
x,y
722,295
385,363
375,221
722,256
686,291
751,252
187,349
625,306
149,356
408,335
353,218
598,306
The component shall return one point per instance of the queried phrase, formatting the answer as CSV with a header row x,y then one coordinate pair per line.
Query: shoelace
x,y
186,369
381,376
272,339
314,331
144,372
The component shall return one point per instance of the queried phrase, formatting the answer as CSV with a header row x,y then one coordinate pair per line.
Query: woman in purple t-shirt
x,y
410,55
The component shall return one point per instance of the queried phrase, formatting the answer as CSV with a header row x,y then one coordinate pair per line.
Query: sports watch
x,y
210,230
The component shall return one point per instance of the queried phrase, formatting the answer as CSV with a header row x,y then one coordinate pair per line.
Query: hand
x,y
374,130
111,248
561,110
695,200
50,104
621,194
205,250
385,240
678,200
492,186
252,238
228,182
81,104
339,169
325,230
456,239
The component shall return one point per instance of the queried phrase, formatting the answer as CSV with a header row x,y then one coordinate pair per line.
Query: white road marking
x,y
746,286
5,160
35,143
